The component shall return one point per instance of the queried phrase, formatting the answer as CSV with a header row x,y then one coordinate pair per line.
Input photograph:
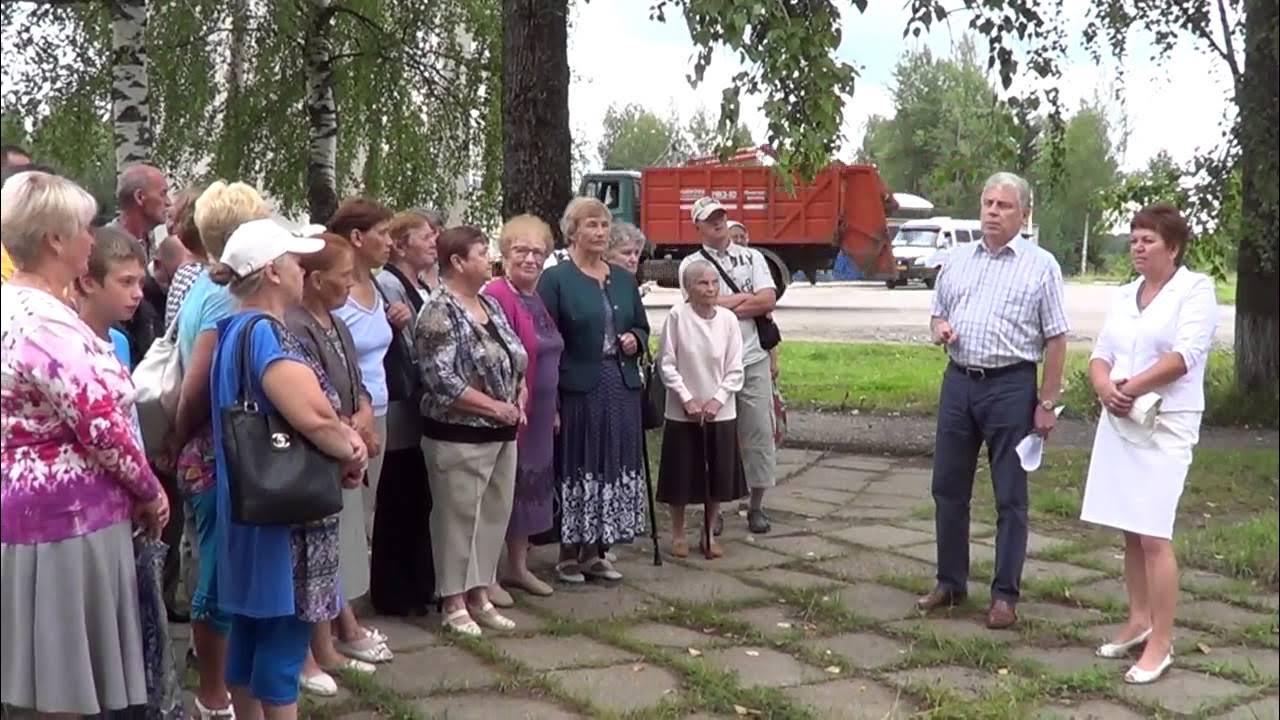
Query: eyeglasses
x,y
522,252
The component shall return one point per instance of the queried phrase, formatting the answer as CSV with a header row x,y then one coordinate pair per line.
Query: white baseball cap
x,y
705,208
258,243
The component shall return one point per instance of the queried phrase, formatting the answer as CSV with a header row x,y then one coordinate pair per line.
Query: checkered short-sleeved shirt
x,y
1003,306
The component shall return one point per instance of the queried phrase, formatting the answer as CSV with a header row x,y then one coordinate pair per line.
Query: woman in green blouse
x,y
600,463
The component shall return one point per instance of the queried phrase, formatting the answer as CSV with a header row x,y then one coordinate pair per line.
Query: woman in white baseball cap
x,y
272,603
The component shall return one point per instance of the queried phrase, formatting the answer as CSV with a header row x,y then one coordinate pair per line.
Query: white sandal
x,y
569,571
369,649
204,713
489,617
468,628
602,569
320,685
353,665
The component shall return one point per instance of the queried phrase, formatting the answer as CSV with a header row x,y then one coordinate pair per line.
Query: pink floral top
x,y
70,463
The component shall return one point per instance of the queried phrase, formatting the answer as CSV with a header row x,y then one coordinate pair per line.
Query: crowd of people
x,y
448,421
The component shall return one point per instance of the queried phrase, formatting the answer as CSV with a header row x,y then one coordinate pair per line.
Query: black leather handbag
x,y
276,476
654,399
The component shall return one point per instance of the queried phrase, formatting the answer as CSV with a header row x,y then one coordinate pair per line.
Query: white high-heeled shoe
x,y
1118,650
1138,676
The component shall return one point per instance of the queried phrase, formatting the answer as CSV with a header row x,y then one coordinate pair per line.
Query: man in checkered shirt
x,y
998,310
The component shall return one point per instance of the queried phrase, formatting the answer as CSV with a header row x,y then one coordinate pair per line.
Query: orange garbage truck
x,y
800,228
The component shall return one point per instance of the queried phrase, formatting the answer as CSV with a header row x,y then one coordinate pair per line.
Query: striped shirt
x,y
1003,306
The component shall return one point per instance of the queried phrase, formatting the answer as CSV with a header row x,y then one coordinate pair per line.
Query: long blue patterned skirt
x,y
601,462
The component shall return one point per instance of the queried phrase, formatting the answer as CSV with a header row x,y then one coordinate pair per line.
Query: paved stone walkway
x,y
815,620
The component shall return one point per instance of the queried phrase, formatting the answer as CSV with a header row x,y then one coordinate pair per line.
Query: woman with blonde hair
x,y
72,473
597,308
219,211
525,242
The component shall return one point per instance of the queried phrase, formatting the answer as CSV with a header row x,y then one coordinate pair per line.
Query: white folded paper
x,y
1031,449
1140,424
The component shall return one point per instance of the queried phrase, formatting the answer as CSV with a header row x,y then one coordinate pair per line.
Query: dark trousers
x,y
997,410
172,536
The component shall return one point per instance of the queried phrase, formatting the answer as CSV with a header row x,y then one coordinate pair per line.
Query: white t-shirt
x,y
750,272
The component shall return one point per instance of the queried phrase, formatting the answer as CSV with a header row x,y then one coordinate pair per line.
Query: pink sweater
x,y
70,463
700,359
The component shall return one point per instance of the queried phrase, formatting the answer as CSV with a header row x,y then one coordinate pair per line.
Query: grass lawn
x,y
1227,290
1227,520
904,378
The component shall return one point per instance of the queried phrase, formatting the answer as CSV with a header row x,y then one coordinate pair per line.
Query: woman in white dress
x,y
1155,341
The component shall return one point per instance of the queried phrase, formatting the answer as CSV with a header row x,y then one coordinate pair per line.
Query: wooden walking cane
x,y
706,490
648,491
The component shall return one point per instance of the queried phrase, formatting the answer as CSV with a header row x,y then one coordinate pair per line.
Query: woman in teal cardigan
x,y
600,460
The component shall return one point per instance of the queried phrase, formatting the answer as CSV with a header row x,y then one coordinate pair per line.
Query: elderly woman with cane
x,y
700,362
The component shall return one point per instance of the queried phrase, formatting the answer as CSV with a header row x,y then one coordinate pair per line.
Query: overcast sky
x,y
617,55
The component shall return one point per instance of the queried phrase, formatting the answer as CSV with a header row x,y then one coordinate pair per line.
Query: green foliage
x,y
950,131
1214,213
948,134
787,48
1072,198
635,137
78,149
413,80
704,135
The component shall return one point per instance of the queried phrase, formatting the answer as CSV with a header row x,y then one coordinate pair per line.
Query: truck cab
x,y
619,190
921,247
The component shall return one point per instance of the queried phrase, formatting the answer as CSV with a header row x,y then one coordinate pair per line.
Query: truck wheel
x,y
928,282
891,284
664,272
778,269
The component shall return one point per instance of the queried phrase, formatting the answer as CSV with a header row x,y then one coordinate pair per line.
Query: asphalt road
x,y
867,312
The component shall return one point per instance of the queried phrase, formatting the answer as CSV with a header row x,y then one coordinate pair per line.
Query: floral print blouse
x,y
457,353
71,464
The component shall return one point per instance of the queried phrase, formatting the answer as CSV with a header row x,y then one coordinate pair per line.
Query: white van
x,y
921,247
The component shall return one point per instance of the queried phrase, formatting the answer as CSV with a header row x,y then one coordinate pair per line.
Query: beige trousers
x,y
755,426
472,489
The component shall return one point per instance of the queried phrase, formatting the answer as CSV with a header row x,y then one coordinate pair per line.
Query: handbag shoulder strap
x,y
243,351
727,280
397,336
415,299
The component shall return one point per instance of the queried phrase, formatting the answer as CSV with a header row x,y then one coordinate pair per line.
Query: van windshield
x,y
916,237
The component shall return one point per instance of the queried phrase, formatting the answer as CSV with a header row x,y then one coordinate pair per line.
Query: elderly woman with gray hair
x,y
700,362
597,308
626,246
72,473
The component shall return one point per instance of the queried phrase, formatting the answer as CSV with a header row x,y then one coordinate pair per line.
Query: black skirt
x,y
700,463
402,578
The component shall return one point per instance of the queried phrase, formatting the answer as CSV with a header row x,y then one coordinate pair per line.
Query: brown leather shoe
x,y
939,597
1001,615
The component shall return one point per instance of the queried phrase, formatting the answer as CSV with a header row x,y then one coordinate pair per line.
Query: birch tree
x,y
322,116
411,109
130,96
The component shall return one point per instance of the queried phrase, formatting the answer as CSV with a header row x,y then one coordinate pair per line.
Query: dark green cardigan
x,y
573,299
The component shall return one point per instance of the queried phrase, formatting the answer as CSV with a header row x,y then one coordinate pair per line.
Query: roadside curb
x,y
909,436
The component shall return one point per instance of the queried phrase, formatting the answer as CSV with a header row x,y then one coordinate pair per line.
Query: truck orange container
x,y
844,208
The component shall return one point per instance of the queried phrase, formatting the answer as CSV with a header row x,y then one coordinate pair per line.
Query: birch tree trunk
x,y
130,96
322,116
229,159
537,147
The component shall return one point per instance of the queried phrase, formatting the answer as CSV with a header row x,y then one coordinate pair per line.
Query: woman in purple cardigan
x,y
525,243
